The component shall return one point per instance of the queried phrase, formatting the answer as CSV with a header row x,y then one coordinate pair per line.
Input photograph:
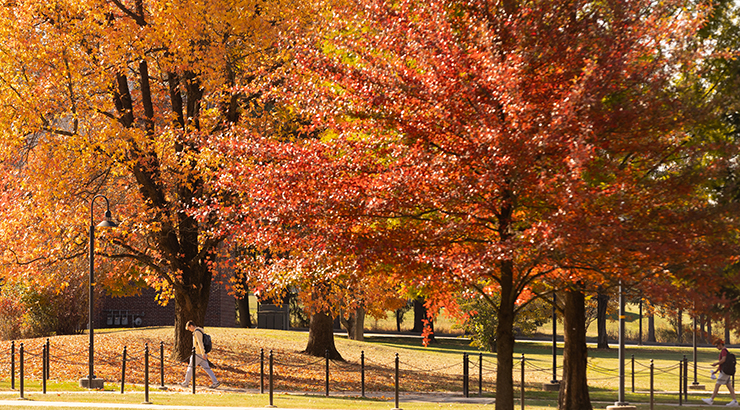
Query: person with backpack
x,y
726,369
202,344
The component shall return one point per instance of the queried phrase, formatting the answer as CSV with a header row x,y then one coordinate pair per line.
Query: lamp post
x,y
91,382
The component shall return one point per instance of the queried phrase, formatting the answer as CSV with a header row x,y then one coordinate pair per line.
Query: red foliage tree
x,y
493,146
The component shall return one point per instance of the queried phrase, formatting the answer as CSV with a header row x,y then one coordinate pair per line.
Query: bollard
x,y
633,373
680,382
192,362
146,374
21,369
362,372
262,370
48,360
480,374
685,379
326,356
522,381
123,370
12,364
43,369
466,376
397,383
652,385
161,366
271,383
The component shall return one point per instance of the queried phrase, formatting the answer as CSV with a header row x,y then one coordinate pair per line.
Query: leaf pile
x,y
236,361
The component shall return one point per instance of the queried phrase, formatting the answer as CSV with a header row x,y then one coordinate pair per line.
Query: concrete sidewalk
x,y
404,397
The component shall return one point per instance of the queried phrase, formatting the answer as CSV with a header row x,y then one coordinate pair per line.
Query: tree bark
x,y
245,319
321,337
574,386
651,328
355,324
602,301
190,304
420,314
505,340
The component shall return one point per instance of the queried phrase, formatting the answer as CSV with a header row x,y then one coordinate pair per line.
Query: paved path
x,y
405,397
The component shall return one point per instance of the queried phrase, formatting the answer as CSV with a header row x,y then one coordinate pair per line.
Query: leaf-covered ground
x,y
236,361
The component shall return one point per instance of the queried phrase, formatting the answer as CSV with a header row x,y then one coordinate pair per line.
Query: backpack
x,y
208,345
728,367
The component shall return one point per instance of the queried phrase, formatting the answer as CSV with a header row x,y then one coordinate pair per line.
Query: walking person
x,y
200,357
726,369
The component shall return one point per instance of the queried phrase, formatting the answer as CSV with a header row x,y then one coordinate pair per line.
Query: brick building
x,y
143,310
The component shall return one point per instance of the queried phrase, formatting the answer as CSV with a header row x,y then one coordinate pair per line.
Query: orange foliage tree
x,y
122,98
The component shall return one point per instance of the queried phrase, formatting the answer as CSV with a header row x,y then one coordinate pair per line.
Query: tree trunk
x,y
505,340
190,304
420,314
651,328
245,319
727,331
679,327
602,302
574,386
321,337
355,324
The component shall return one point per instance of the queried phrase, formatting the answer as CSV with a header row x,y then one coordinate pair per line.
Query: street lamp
x,y
91,382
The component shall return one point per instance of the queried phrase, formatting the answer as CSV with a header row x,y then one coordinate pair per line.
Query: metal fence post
x,y
123,370
680,382
146,374
193,368
21,370
480,374
397,383
326,357
12,364
633,373
466,376
652,385
522,381
43,369
161,365
271,382
262,370
362,372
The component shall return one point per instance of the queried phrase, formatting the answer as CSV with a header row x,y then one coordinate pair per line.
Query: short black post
x,y
480,374
466,375
652,385
326,356
123,370
48,360
262,370
43,369
396,382
685,379
21,369
192,363
161,365
146,373
633,373
12,364
680,382
522,381
362,372
271,382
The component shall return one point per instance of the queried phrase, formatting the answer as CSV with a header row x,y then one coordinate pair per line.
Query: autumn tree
x,y
123,98
500,145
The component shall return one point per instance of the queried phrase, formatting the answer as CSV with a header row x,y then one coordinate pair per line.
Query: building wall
x,y
143,310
